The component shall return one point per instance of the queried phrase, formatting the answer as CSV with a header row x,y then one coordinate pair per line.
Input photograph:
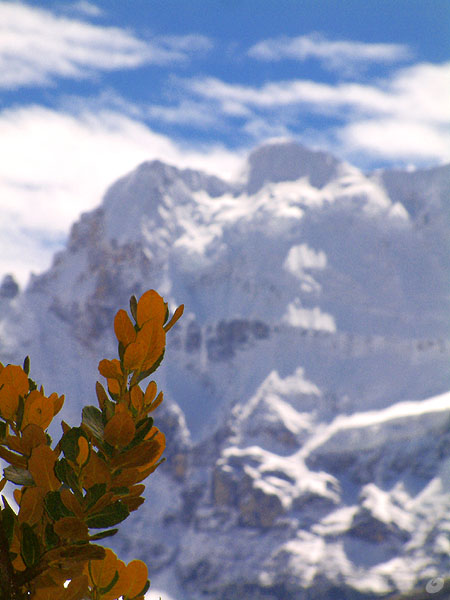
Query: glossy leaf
x,y
51,539
29,547
55,507
93,494
152,369
38,410
158,400
16,460
137,574
84,450
126,477
42,468
103,501
101,573
110,369
110,515
134,355
96,471
123,328
71,528
150,393
92,419
134,503
113,387
104,591
137,398
9,401
101,395
58,402
66,474
31,505
82,552
26,365
103,534
18,475
176,315
71,502
153,336
151,306
16,377
120,430
69,443
144,426
133,307
32,436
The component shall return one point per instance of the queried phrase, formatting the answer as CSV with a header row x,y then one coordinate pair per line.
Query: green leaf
x,y
138,377
152,369
51,539
93,421
110,585
55,507
26,365
65,473
8,520
133,307
32,384
110,515
18,475
29,548
121,491
83,551
143,591
103,534
19,413
93,494
143,428
69,442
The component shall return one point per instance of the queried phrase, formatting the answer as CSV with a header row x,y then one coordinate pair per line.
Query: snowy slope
x,y
307,416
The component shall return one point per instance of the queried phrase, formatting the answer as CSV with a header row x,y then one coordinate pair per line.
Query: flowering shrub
x,y
73,494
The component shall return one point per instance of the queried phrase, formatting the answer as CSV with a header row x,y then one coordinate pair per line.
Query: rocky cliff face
x,y
306,417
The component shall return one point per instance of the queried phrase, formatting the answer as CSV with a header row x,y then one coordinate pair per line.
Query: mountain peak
x,y
286,160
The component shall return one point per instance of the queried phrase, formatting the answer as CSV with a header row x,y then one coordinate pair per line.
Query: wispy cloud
x,y
340,55
186,112
87,8
36,47
412,99
55,165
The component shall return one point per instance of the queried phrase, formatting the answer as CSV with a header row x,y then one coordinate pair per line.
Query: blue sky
x,y
88,90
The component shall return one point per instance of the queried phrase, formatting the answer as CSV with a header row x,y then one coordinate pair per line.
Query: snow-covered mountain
x,y
307,413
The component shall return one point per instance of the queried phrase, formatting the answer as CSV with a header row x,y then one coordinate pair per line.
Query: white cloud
x,y
419,91
199,114
341,55
393,138
87,8
36,47
308,318
412,103
55,165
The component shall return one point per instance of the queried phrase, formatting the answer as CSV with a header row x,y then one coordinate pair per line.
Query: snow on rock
x,y
307,413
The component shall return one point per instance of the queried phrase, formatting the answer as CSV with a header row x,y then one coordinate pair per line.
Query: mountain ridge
x,y
316,306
